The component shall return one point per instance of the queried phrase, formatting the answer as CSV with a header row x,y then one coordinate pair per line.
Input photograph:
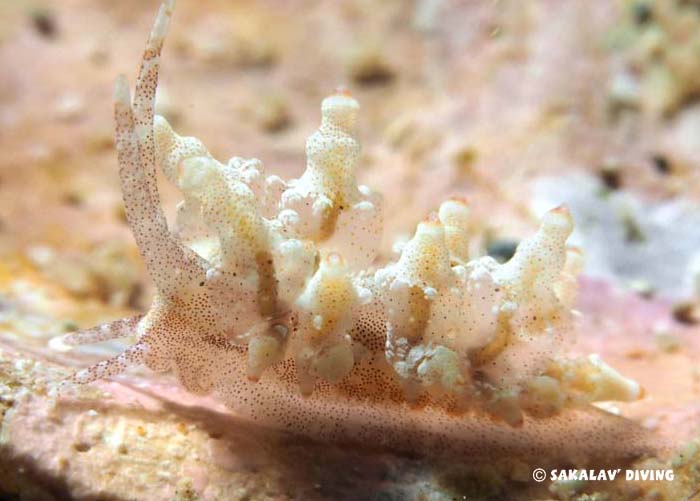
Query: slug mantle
x,y
269,297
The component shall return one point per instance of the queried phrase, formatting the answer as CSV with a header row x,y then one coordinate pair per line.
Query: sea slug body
x,y
269,297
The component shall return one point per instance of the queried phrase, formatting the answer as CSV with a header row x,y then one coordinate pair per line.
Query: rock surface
x,y
484,100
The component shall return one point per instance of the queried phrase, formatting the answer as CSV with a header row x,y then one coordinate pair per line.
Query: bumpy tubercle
x,y
268,296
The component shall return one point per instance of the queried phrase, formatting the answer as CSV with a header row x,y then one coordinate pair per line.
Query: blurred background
x,y
517,106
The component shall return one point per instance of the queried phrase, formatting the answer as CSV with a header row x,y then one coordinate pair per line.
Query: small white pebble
x,y
69,107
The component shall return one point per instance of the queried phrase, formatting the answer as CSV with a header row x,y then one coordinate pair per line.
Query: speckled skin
x,y
266,298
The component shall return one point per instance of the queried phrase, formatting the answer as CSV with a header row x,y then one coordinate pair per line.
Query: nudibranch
x,y
270,298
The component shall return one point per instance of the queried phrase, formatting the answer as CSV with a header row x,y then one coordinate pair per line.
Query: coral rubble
x,y
269,296
662,61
